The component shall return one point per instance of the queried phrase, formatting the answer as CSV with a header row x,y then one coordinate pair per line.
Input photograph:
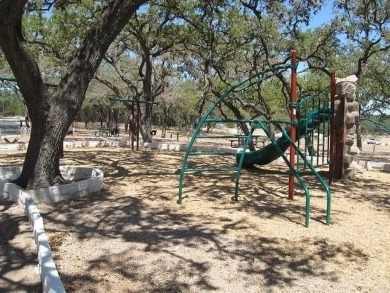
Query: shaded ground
x,y
18,259
133,237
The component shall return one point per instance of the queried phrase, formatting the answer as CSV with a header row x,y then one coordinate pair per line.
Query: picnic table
x,y
173,133
239,141
107,132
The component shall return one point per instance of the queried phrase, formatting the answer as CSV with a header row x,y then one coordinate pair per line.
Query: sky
x,y
323,16
318,20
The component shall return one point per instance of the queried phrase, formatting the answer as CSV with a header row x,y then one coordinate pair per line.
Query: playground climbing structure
x,y
344,123
307,136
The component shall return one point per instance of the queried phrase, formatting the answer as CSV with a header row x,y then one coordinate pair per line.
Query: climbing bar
x,y
317,176
214,170
259,77
292,170
276,148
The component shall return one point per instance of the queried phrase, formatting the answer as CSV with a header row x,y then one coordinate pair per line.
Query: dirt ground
x,y
134,237
18,258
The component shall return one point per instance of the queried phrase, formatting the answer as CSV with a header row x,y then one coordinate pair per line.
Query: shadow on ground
x,y
182,240
166,247
142,238
13,257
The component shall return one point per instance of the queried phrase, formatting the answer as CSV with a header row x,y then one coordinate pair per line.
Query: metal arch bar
x,y
199,125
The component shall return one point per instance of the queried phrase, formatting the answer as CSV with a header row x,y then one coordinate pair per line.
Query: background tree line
x,y
183,54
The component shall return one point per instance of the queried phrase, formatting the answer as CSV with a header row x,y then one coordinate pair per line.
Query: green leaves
x,y
217,43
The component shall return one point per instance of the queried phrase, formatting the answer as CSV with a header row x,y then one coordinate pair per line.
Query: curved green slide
x,y
273,151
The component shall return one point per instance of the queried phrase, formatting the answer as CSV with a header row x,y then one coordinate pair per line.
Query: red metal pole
x,y
332,127
293,116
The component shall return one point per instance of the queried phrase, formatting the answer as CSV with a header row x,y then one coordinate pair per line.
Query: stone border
x,y
51,281
93,143
169,146
85,181
370,165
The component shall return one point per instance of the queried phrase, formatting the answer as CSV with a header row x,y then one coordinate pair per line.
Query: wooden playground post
x,y
293,115
339,138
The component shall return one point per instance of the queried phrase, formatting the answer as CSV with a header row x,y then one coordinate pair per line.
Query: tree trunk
x,y
146,127
147,89
42,161
51,115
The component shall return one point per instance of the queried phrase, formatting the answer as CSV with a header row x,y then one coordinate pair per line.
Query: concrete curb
x,y
171,146
22,146
375,166
51,281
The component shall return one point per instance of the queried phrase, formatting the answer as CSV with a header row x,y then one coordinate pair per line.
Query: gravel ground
x,y
133,237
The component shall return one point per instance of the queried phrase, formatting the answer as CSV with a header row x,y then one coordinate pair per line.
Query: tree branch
x,y
114,17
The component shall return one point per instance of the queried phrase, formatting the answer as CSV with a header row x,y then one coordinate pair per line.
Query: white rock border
x,y
92,143
51,281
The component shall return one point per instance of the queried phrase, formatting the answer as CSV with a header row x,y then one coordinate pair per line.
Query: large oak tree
x,y
53,110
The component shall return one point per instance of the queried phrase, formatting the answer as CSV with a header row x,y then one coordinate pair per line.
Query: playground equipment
x,y
344,150
292,131
273,151
134,105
